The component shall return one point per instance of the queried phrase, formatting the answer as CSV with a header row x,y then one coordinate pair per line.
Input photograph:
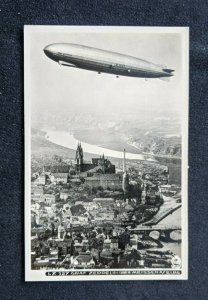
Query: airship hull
x,y
102,61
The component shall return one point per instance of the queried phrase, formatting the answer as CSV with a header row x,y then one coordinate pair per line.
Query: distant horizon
x,y
107,116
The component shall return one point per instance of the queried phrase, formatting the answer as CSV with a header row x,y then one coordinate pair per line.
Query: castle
x,y
99,165
99,172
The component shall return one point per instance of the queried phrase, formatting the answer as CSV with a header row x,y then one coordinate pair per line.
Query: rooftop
x,y
105,177
60,175
57,168
103,199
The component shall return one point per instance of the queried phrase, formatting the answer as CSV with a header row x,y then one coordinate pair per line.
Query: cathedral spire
x,y
79,157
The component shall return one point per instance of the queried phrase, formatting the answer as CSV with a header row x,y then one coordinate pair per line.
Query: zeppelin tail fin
x,y
168,71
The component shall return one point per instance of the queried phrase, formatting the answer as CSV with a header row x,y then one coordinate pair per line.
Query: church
x,y
99,165
100,172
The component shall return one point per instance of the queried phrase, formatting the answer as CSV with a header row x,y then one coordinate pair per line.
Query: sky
x,y
54,88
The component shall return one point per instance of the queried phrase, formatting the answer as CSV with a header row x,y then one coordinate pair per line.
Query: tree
x,y
135,191
57,158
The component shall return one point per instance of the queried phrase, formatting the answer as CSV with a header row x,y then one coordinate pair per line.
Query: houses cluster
x,y
71,226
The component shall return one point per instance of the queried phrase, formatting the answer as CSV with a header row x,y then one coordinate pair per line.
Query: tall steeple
x,y
79,157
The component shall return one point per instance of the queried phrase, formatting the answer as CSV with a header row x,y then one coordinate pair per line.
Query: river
x,y
67,139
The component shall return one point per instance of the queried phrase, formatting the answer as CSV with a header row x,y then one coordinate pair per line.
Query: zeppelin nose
x,y
50,52
47,51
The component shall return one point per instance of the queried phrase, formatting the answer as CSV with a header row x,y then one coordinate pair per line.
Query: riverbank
x,y
105,138
68,140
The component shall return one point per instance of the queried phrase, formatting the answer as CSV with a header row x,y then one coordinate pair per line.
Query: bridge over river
x,y
167,219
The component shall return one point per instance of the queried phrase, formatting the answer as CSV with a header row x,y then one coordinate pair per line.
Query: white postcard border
x,y
39,275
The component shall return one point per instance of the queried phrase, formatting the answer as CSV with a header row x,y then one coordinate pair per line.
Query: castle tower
x,y
79,158
102,160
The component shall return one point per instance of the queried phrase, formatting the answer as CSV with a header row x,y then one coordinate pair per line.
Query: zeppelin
x,y
103,61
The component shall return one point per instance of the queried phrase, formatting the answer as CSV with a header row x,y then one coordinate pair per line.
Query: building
x,y
114,243
67,210
37,198
107,244
57,168
74,180
113,181
107,178
35,207
79,220
41,180
49,199
101,165
90,206
64,195
134,242
61,177
104,215
51,178
36,190
103,201
57,173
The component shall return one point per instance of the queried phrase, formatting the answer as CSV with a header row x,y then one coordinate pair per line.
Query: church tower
x,y
79,158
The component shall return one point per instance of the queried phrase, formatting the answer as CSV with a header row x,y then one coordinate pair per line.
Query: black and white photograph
x,y
106,153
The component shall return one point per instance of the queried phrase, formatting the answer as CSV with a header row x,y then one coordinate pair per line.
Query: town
x,y
95,215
